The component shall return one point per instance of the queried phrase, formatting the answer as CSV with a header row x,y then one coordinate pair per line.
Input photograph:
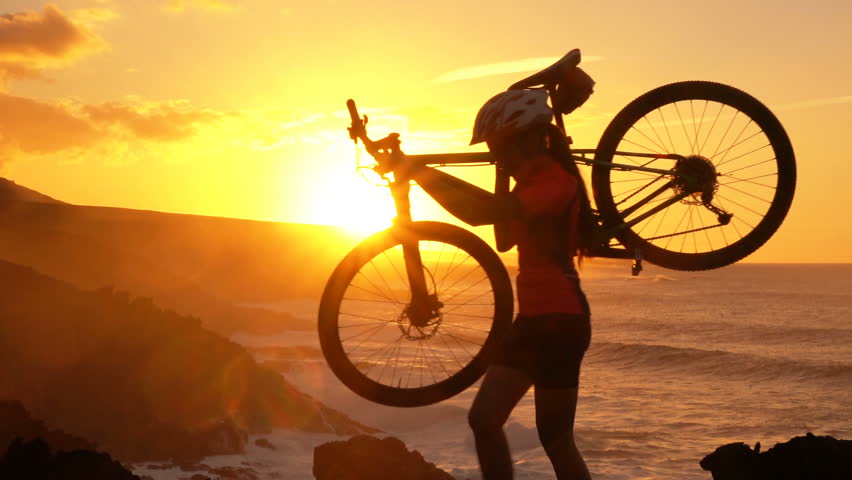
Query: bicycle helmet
x,y
511,112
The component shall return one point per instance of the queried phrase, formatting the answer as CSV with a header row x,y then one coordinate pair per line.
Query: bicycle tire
x,y
367,285
763,189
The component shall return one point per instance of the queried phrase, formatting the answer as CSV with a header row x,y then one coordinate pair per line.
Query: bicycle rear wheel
x,y
369,339
728,142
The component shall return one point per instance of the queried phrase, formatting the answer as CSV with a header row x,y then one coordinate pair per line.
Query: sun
x,y
354,201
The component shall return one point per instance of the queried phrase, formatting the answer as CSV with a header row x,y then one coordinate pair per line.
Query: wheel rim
x,y
743,179
383,342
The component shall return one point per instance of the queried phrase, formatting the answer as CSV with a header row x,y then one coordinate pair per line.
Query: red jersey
x,y
546,191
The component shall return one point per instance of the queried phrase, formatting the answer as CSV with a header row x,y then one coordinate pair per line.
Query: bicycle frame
x,y
422,307
581,156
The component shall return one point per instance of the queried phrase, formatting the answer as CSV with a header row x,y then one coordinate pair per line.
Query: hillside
x,y
141,382
11,191
203,266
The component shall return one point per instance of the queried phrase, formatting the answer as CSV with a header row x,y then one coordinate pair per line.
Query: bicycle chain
x,y
685,232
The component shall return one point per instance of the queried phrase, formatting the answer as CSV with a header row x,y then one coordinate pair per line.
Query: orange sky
x,y
236,108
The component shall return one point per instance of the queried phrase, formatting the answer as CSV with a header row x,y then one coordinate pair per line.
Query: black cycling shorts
x,y
549,348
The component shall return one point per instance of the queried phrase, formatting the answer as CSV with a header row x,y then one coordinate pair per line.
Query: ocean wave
x,y
648,279
398,420
732,330
694,361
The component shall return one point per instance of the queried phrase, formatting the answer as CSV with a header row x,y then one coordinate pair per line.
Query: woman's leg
x,y
554,416
502,389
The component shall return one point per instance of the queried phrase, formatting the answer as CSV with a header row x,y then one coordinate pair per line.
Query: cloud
x,y
31,127
514,66
31,41
179,6
818,102
169,121
93,16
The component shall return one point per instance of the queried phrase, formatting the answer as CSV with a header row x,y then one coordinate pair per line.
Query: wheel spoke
x,y
668,133
370,363
403,280
736,143
439,283
440,363
661,143
452,325
463,339
659,149
725,135
762,162
752,181
453,297
662,219
741,206
468,303
452,351
372,331
376,289
710,132
761,199
683,126
382,322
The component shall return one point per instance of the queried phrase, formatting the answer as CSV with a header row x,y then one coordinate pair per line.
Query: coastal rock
x,y
33,460
364,457
264,443
800,458
220,473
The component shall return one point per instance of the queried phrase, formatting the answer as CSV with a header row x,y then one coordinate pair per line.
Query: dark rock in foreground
x,y
364,457
16,422
800,458
33,460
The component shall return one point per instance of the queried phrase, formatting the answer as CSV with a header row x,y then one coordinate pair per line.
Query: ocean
x,y
680,363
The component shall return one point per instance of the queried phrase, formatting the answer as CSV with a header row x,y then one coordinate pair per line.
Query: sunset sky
x,y
237,108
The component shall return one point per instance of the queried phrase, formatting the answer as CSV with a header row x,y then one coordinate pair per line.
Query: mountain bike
x,y
692,175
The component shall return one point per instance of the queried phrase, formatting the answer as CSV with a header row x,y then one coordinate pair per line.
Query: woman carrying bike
x,y
548,217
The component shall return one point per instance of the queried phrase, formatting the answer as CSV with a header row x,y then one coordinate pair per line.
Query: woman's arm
x,y
467,202
502,235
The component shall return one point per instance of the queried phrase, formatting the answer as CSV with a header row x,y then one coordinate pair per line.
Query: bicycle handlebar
x,y
357,129
385,151
353,111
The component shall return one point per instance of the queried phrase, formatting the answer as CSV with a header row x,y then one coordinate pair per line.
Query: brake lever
x,y
358,129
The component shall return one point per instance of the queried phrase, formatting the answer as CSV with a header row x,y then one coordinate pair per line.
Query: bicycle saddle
x,y
552,74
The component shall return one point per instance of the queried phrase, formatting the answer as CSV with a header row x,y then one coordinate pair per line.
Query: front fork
x,y
423,307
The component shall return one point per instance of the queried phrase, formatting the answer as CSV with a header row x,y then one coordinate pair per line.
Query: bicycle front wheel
x,y
369,338
727,157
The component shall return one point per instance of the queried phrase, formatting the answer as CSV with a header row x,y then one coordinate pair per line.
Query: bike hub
x,y
696,177
420,320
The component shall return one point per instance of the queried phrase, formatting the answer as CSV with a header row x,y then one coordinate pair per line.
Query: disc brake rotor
x,y
414,328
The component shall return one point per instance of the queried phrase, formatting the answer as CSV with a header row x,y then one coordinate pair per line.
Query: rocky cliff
x,y
142,382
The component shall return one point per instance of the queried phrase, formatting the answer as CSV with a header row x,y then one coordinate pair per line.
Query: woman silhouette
x,y
548,217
